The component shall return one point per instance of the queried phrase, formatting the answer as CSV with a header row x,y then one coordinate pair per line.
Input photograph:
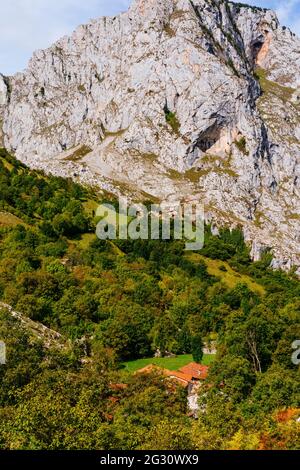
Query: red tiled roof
x,y
195,371
172,374
179,376
184,375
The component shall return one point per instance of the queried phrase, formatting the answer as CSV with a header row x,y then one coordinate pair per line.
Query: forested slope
x,y
116,301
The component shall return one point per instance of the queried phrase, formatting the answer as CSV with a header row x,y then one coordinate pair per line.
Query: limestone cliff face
x,y
178,99
3,102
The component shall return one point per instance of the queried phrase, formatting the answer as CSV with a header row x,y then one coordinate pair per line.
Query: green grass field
x,y
228,275
171,363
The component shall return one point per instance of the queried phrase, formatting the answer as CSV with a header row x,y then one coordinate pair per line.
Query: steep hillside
x,y
81,307
177,99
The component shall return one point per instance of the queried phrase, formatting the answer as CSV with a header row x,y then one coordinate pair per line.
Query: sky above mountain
x,y
26,25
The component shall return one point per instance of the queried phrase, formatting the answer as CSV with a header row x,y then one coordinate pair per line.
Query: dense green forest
x,y
122,300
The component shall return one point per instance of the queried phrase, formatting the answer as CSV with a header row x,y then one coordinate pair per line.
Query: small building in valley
x,y
189,376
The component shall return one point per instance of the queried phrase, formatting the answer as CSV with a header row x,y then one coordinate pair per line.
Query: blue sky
x,y
26,25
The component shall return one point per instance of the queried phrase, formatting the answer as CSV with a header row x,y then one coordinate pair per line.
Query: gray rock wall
x,y
164,100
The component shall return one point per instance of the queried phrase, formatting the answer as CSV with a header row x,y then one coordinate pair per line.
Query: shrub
x,y
172,120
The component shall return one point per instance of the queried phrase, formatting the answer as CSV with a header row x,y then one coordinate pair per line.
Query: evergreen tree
x,y
197,348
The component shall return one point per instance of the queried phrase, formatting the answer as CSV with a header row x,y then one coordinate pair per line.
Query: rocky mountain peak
x,y
3,91
3,102
186,99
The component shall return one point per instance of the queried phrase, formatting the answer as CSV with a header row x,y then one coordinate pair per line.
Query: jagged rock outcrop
x,y
178,99
3,102
49,338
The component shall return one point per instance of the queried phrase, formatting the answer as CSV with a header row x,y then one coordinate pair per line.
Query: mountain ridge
x,y
176,99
